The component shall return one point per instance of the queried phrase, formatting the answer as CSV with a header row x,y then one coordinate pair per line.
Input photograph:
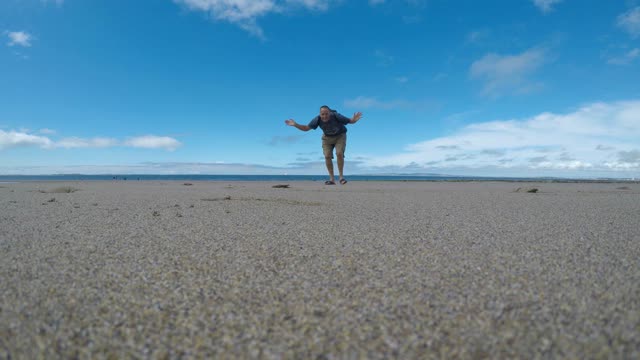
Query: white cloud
x,y
625,59
596,137
47,131
322,5
508,73
75,142
630,21
154,142
168,168
232,10
245,13
546,5
20,139
364,102
19,38
23,138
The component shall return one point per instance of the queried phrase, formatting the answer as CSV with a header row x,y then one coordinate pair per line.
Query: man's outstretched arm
x,y
292,122
355,118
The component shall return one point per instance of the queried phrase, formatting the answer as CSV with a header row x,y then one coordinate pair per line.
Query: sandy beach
x,y
153,269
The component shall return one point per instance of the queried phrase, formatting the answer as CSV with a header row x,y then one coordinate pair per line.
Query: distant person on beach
x,y
334,136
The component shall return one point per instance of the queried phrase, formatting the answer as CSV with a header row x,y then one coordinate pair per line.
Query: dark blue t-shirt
x,y
335,125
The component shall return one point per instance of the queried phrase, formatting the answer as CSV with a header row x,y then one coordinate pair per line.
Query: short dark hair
x,y
325,106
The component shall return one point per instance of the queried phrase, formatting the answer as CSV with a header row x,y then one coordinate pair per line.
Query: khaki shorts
x,y
339,142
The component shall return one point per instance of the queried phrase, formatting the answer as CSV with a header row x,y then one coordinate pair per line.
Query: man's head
x,y
325,112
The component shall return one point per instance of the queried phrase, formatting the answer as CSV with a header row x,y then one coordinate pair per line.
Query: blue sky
x,y
489,88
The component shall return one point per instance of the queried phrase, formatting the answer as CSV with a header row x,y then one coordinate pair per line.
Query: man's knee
x,y
339,155
328,158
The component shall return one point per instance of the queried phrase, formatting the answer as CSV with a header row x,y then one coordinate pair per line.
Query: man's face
x,y
324,114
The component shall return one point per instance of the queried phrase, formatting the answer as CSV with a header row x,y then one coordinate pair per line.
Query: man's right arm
x,y
292,122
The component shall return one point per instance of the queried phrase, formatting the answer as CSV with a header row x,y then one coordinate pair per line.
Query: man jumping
x,y
334,136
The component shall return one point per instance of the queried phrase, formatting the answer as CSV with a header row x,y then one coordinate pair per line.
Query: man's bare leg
x,y
340,161
329,163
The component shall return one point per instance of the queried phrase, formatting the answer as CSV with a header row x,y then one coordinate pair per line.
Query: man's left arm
x,y
355,118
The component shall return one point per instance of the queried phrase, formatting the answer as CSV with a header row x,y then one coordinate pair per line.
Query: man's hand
x,y
290,122
356,117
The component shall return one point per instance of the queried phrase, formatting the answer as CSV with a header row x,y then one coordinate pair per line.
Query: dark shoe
x,y
329,182
343,181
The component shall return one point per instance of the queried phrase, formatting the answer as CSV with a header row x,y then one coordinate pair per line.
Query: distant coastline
x,y
394,177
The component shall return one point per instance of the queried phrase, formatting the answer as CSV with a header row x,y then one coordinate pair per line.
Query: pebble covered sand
x,y
151,269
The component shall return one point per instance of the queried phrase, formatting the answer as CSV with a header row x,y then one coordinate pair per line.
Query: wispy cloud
x,y
168,168
153,142
322,5
75,142
596,137
439,76
630,21
546,5
477,36
382,58
629,157
19,38
508,73
23,138
364,102
604,147
277,140
245,13
460,116
625,59
412,19
417,3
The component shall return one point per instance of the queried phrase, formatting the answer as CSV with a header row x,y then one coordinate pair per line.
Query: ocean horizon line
x,y
318,177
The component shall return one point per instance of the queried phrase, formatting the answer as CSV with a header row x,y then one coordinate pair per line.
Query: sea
x,y
288,178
